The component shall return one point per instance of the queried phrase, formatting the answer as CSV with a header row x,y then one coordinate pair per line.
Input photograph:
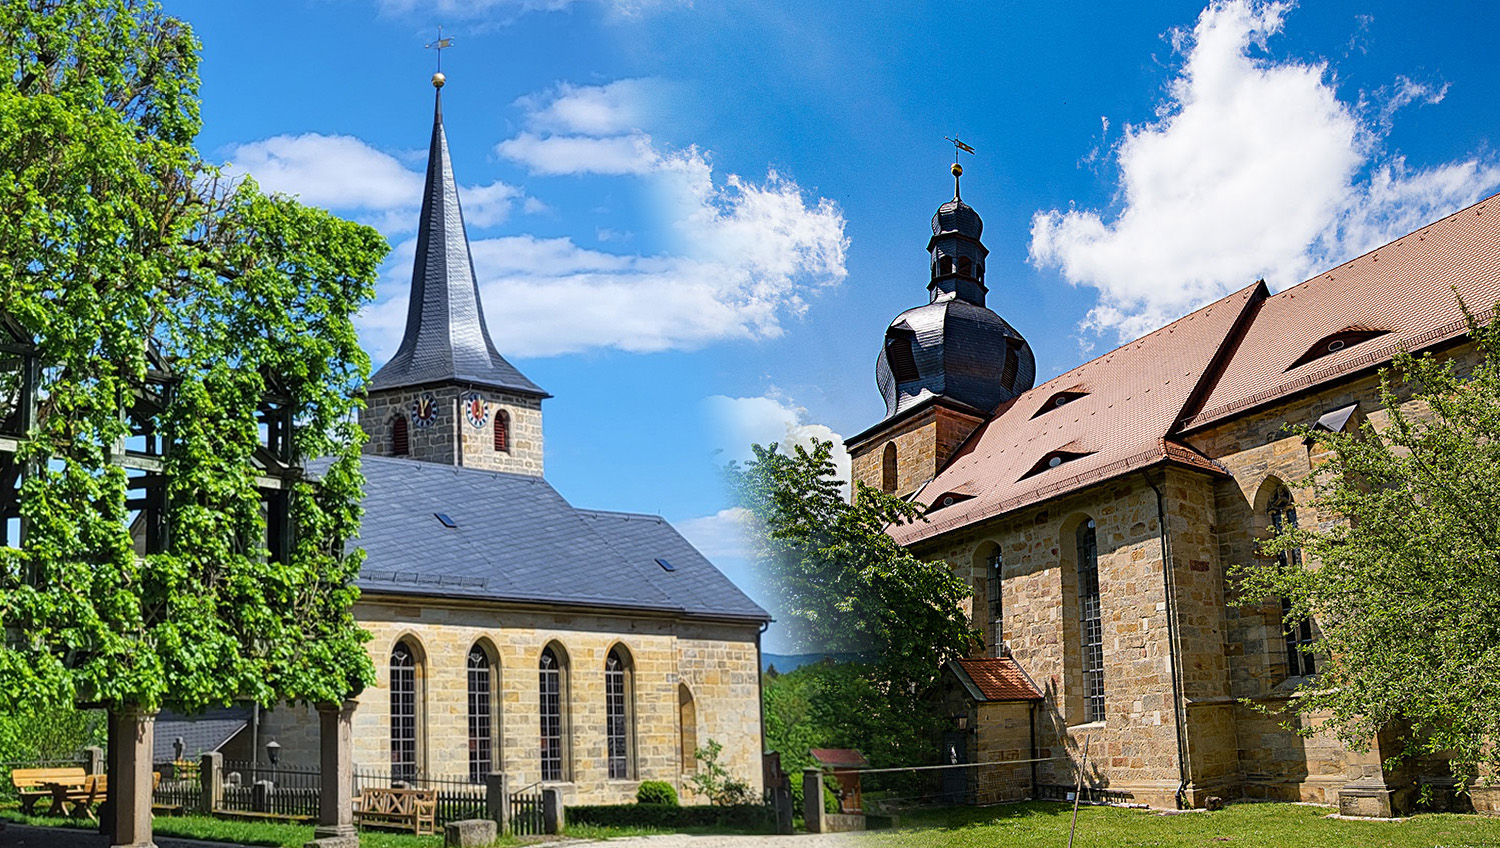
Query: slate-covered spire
x,y
446,339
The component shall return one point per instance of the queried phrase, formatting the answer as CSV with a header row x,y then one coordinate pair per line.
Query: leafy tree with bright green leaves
x,y
1404,576
123,253
841,585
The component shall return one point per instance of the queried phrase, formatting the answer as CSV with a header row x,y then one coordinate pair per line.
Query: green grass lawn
x,y
1271,825
247,832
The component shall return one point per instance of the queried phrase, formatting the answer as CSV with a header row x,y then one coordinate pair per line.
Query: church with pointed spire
x,y
513,633
447,395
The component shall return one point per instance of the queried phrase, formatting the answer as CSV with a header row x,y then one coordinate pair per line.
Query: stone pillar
x,y
130,784
336,796
497,800
553,817
812,800
93,760
1372,790
210,782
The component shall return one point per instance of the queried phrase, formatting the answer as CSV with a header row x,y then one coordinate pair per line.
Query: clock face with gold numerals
x,y
424,411
475,410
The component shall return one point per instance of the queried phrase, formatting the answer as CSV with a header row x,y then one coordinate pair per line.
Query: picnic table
x,y
32,785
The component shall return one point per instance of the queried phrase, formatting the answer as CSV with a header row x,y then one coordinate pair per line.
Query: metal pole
x,y
1078,792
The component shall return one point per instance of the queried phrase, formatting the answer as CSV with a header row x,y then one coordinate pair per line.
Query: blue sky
x,y
693,221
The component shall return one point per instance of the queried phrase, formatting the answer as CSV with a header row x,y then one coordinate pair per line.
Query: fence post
x,y
93,760
812,800
210,782
260,796
497,800
553,817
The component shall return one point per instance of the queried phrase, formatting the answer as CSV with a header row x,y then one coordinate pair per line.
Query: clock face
x,y
424,411
475,410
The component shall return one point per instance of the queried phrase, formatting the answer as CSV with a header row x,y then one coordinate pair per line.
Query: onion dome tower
x,y
447,395
944,366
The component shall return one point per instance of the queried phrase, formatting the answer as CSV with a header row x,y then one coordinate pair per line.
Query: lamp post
x,y
273,753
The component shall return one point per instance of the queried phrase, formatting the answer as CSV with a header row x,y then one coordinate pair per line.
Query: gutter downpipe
x,y
1169,589
1032,714
760,688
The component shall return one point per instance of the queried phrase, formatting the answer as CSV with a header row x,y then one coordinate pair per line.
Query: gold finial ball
x,y
957,169
438,79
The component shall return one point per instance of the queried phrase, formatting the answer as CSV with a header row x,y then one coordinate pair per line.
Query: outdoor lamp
x,y
273,752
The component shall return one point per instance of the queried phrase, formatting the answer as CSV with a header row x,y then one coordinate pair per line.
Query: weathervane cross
x,y
440,45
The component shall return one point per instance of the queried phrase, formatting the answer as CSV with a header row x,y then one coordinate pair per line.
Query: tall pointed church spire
x,y
446,339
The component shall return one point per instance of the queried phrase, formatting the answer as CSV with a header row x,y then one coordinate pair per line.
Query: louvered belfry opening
x,y
502,431
400,438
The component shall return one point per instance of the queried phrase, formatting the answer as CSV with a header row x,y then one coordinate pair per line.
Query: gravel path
x,y
24,836
682,840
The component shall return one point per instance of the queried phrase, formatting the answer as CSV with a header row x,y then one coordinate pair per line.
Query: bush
x,y
656,792
753,817
714,782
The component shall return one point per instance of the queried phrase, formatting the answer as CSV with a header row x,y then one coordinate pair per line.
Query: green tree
x,y
122,253
1405,585
841,585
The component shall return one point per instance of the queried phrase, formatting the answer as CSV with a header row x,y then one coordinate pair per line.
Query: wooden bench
x,y
34,784
94,791
408,809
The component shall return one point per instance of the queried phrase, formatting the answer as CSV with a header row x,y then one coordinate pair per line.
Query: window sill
x,y
1086,727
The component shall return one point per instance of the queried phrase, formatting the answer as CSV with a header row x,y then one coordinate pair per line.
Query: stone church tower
x,y
448,396
944,366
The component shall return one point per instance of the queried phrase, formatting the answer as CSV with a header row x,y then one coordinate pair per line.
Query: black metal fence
x,y
179,787
286,791
457,797
526,816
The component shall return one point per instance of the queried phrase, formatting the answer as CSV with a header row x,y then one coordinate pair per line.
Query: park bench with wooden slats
x,y
95,791
37,783
409,809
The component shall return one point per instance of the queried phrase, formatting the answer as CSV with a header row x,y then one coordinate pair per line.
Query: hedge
x,y
734,816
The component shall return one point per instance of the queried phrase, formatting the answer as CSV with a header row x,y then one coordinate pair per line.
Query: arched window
x,y
687,728
400,443
997,619
617,708
1091,630
481,714
1282,511
502,431
403,712
888,469
552,672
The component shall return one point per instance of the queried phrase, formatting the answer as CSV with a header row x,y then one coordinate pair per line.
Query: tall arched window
x,y
997,619
1282,511
687,728
481,714
400,443
888,469
617,708
403,712
1090,628
502,431
551,671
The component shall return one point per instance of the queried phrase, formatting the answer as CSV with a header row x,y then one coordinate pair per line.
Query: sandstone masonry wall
x,y
452,439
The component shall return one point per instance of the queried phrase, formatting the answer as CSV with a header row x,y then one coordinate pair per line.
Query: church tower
x,y
944,366
448,396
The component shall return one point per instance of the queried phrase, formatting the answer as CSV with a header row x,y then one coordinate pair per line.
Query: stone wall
x,y
452,439
924,442
717,662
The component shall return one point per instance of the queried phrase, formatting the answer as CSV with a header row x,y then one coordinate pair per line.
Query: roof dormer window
x,y
1345,338
898,353
1059,399
948,499
1053,460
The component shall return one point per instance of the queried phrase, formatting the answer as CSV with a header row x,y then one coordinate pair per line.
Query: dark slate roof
x,y
201,734
518,540
959,352
446,339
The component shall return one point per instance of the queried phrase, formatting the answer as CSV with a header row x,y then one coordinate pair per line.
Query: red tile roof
x,y
1131,397
999,679
1225,358
1405,288
839,758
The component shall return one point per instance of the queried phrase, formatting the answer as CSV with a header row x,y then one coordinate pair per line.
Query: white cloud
x,y
745,421
578,154
721,536
615,107
1252,168
345,174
